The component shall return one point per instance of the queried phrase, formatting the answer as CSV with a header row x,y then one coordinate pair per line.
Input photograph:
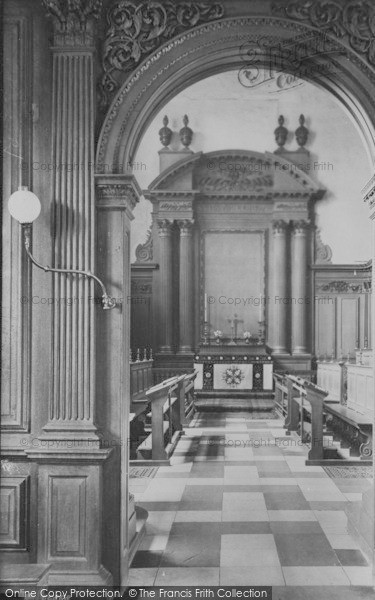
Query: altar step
x,y
235,401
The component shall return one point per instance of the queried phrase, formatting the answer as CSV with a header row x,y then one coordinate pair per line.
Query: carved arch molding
x,y
154,50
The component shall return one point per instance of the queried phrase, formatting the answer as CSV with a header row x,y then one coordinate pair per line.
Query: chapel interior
x,y
187,310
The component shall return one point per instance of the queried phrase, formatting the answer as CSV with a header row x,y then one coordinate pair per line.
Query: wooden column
x,y
68,452
299,287
280,287
186,286
71,407
166,291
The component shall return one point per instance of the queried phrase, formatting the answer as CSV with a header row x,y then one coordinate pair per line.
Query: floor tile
x,y
360,576
286,501
142,577
351,558
305,527
154,542
291,515
186,516
146,558
342,541
299,549
159,522
260,576
248,550
195,551
315,576
195,576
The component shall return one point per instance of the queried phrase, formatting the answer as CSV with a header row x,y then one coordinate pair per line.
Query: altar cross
x,y
233,325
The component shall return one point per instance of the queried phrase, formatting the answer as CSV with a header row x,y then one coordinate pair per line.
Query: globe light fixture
x,y
24,207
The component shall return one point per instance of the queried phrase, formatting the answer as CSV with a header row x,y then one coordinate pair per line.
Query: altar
x,y
233,371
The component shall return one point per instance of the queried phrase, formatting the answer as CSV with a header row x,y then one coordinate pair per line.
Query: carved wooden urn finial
x,y
302,133
281,132
165,133
186,134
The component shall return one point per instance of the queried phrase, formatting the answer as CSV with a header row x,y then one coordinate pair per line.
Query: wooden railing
x,y
170,406
141,375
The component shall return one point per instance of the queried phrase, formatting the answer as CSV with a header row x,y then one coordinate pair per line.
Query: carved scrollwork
x,y
353,20
144,252
136,29
323,252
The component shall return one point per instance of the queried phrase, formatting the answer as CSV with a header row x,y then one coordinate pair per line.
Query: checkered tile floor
x,y
238,506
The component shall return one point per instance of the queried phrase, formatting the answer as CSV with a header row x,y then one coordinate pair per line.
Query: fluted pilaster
x,y
186,286
166,291
299,289
280,305
73,108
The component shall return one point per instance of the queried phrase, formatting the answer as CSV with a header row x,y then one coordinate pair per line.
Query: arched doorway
x,y
206,50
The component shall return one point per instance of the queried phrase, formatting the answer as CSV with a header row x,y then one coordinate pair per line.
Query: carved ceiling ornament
x,y
145,252
352,20
137,29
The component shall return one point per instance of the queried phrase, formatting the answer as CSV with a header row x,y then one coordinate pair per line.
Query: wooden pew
x,y
172,405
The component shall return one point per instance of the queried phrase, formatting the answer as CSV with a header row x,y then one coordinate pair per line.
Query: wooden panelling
x,y
14,494
348,324
15,391
68,524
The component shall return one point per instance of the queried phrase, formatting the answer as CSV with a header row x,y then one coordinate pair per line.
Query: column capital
x,y
117,191
165,227
300,227
279,226
186,226
73,22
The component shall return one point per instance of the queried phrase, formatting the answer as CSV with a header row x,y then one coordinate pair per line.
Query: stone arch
x,y
216,47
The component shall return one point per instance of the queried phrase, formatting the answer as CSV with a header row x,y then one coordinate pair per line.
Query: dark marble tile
x,y
291,527
207,470
270,451
190,530
286,501
351,558
210,504
202,492
239,527
299,549
144,559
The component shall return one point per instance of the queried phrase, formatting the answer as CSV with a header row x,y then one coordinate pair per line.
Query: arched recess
x,y
199,53
221,46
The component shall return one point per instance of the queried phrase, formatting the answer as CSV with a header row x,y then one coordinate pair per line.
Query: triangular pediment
x,y
236,172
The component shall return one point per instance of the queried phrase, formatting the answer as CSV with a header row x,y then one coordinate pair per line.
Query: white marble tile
x,y
253,577
246,550
342,541
361,576
159,521
244,472
154,542
205,481
142,577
